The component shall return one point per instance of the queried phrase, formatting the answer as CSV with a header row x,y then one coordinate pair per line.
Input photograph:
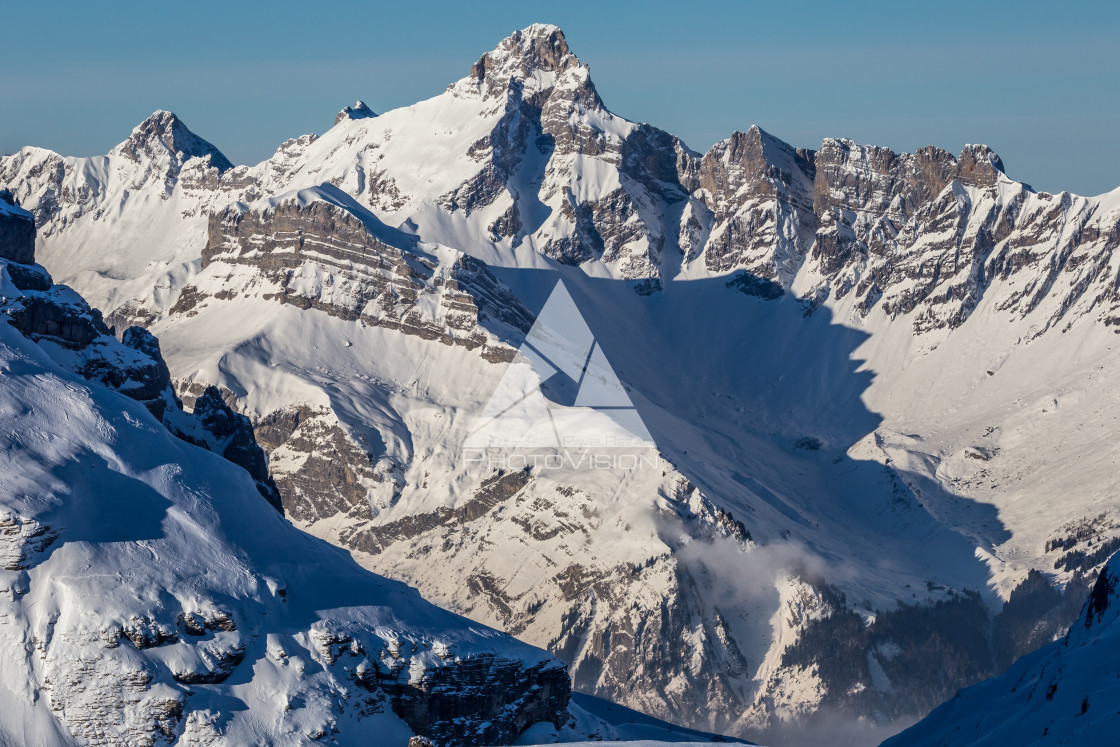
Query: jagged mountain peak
x,y
979,165
753,131
164,136
745,157
774,148
540,46
358,110
538,53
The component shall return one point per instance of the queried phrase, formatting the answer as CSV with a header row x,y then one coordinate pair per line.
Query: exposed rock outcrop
x,y
231,434
444,702
329,473
327,256
754,207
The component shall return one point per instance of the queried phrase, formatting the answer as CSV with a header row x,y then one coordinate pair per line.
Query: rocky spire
x,y
535,57
163,137
538,47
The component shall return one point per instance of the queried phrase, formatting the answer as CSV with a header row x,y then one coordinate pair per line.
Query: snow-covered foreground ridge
x,y
149,594
874,379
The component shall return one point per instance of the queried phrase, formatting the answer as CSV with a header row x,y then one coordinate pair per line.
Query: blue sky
x,y
1036,81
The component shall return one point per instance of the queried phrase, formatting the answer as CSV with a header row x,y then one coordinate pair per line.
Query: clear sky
x,y
1038,81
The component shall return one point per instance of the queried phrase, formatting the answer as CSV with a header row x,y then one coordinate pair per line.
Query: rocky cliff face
x,y
920,236
322,255
752,207
319,251
926,236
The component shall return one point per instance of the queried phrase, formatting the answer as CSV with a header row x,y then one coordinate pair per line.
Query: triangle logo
x,y
559,362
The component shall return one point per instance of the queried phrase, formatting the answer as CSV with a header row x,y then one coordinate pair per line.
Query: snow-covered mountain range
x,y
878,382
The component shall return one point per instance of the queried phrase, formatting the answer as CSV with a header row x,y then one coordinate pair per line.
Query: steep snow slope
x,y
1064,693
150,595
891,368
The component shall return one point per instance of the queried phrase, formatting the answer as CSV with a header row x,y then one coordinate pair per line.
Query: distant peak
x,y
757,133
161,116
539,30
160,123
540,48
754,137
357,110
979,165
759,152
163,133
